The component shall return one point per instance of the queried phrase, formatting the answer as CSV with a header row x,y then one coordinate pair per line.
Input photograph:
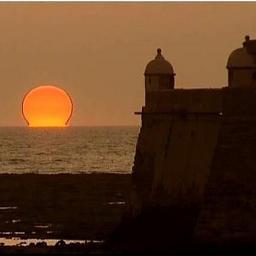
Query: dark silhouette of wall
x,y
229,208
194,173
175,146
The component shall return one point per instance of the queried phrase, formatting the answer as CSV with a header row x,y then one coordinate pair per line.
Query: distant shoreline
x,y
71,126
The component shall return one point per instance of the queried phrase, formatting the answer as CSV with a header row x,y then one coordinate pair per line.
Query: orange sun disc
x,y
47,106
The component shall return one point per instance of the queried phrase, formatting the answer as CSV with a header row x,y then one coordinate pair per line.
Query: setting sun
x,y
47,106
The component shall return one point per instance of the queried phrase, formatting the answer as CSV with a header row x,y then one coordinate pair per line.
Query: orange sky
x,y
97,52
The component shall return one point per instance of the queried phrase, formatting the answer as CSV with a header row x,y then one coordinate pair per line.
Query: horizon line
x,y
111,125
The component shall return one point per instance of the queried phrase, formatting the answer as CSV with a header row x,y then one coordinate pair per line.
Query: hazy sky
x,y
98,52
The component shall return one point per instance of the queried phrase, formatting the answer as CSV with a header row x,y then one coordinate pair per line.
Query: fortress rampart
x,y
175,146
197,148
194,173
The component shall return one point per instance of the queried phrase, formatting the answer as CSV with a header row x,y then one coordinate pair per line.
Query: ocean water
x,y
67,150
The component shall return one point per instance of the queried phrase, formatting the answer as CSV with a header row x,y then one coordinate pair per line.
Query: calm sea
x,y
67,150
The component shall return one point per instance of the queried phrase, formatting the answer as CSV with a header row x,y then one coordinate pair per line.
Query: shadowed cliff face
x,y
194,171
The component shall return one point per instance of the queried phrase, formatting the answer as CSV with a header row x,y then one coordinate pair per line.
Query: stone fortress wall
x,y
194,173
176,144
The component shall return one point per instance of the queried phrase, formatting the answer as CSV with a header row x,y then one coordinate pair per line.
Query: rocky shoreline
x,y
62,206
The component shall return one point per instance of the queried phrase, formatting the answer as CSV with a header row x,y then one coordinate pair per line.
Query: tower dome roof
x,y
159,66
244,57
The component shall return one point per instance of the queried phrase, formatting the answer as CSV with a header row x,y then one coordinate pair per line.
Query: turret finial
x,y
159,51
247,38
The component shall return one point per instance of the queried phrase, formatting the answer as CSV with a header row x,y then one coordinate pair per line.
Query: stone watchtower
x,y
242,65
159,75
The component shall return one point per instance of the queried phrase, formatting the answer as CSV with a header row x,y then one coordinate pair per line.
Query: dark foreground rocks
x,y
62,206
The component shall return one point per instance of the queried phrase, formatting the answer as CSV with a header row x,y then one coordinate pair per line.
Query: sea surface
x,y
67,150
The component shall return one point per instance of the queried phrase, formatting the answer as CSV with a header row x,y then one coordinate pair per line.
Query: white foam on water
x,y
116,203
8,207
17,241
